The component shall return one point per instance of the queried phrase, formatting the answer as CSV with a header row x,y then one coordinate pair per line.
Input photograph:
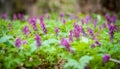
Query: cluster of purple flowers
x,y
38,40
19,16
57,30
111,19
64,21
18,42
61,14
26,30
105,58
65,43
82,21
4,16
42,24
91,32
111,31
96,43
77,30
88,19
95,23
32,21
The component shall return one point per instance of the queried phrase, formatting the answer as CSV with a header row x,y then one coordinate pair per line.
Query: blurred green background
x,y
35,7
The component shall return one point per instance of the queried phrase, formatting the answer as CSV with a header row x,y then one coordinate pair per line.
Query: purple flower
x,y
38,40
98,43
14,17
32,21
111,31
104,25
64,21
108,18
65,43
88,19
18,42
26,30
42,24
4,16
95,23
21,16
82,21
91,32
105,58
24,42
114,18
48,16
57,30
77,30
71,35
61,14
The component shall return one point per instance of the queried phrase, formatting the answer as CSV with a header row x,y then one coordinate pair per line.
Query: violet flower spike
x,y
57,31
91,32
32,21
64,21
105,58
104,25
14,17
111,31
108,18
82,21
24,42
65,43
38,40
95,23
42,24
114,19
26,31
61,14
88,19
21,16
18,42
4,16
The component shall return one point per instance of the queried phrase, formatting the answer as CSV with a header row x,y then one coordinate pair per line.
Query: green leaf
x,y
5,38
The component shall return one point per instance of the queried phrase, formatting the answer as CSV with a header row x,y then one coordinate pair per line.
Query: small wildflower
x,y
4,16
65,43
95,23
57,30
32,21
88,19
18,42
111,31
42,24
61,14
91,32
106,58
38,40
14,17
26,30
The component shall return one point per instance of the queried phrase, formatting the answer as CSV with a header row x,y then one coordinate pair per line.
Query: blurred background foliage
x,y
35,7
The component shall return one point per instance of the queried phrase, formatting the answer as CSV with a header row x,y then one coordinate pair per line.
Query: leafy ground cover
x,y
60,42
